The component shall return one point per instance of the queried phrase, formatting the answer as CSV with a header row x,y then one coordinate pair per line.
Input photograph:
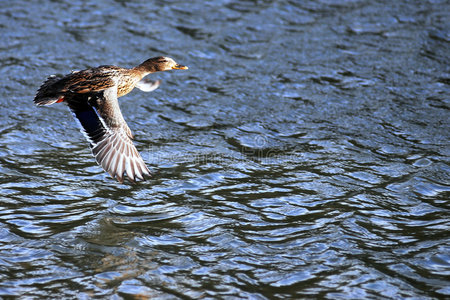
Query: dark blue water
x,y
304,154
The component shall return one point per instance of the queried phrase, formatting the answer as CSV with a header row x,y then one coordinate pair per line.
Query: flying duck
x,y
92,96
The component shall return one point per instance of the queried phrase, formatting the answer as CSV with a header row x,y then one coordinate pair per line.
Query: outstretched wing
x,y
148,85
108,134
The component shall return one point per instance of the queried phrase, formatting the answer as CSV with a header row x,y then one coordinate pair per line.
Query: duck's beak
x,y
179,67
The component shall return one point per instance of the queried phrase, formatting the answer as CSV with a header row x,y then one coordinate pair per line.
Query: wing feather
x,y
108,134
146,85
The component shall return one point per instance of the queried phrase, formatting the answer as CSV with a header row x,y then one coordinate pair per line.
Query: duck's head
x,y
161,63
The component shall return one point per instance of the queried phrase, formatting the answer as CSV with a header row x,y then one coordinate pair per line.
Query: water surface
x,y
304,154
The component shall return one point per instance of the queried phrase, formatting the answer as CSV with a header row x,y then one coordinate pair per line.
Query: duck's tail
x,y
49,93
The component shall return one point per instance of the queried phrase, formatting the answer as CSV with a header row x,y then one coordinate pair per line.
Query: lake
x,y
304,154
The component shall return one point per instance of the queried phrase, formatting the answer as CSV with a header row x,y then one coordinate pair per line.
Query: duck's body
x,y
98,79
92,96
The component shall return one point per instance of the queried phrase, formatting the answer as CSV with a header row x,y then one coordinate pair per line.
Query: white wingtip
x,y
148,85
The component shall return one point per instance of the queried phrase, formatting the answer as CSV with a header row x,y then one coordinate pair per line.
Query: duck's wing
x,y
108,134
146,85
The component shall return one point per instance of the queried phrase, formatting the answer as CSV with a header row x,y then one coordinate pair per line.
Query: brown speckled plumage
x,y
92,95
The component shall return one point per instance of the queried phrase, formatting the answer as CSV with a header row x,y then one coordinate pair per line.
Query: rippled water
x,y
304,154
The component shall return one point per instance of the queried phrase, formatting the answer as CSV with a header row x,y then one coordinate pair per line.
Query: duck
x,y
92,96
